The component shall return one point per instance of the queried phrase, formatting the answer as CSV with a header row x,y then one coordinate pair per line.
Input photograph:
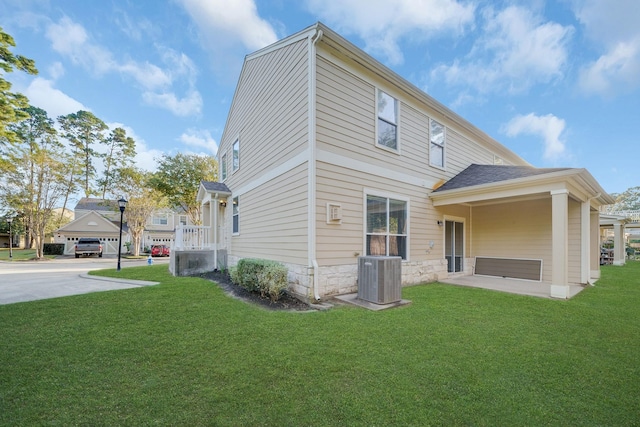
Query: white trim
x,y
233,160
377,193
444,145
368,168
463,221
285,167
396,124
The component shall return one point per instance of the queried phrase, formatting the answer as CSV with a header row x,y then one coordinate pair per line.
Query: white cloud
x,y
56,70
382,23
227,22
71,40
199,138
613,29
550,128
42,94
188,105
517,49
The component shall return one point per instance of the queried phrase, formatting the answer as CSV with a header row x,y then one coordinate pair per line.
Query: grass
x,y
183,353
19,254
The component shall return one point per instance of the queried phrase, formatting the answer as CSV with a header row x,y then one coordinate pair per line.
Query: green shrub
x,y
53,249
260,275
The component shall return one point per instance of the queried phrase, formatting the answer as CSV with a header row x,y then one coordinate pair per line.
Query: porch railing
x,y
632,216
192,237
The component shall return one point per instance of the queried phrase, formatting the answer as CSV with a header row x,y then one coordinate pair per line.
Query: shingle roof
x,y
216,186
92,204
485,174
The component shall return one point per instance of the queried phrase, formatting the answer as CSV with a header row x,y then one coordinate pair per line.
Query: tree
x,y
629,200
11,103
133,185
36,183
121,149
178,178
83,130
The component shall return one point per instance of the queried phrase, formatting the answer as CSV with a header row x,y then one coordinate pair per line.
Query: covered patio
x,y
512,286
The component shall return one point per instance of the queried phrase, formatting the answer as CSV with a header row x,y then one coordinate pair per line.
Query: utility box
x,y
380,279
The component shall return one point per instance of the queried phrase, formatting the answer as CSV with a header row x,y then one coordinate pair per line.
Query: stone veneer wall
x,y
343,279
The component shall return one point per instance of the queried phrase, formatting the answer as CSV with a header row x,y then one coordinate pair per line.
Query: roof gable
x,y
90,222
98,205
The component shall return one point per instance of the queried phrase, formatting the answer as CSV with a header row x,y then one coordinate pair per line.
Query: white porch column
x,y
213,232
585,247
560,243
618,243
595,245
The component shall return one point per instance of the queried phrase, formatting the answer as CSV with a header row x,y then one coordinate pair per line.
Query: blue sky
x,y
558,82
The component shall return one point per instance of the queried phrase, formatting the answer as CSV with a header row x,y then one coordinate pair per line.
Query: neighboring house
x,y
101,218
328,155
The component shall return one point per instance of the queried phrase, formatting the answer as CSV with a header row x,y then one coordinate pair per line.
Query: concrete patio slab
x,y
512,286
353,299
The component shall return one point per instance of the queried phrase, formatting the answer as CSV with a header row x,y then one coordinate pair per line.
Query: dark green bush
x,y
53,249
261,275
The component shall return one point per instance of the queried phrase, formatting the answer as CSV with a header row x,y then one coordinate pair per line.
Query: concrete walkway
x,y
34,280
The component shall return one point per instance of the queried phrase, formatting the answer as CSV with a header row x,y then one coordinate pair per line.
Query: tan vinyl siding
x,y
575,242
338,244
269,113
273,220
514,230
346,120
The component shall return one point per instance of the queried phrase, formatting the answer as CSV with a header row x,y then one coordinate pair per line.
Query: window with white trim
x,y
223,167
183,220
436,145
387,127
236,216
236,155
386,226
160,219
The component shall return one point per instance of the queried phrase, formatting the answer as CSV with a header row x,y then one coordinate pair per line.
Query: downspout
x,y
311,167
215,231
587,258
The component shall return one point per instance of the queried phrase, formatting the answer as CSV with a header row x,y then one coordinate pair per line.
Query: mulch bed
x,y
286,302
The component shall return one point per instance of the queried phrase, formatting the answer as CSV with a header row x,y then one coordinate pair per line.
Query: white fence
x,y
192,237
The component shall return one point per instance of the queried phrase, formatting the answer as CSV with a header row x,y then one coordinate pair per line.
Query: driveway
x,y
28,281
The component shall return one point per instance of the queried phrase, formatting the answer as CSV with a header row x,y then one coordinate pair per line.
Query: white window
x,y
387,127
386,226
160,219
436,138
236,216
236,155
223,167
183,220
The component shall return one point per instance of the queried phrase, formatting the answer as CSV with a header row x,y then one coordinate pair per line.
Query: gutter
x,y
311,166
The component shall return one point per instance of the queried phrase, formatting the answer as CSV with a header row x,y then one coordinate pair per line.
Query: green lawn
x,y
19,254
182,353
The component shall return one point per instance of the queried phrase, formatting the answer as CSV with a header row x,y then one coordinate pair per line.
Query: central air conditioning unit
x,y
380,279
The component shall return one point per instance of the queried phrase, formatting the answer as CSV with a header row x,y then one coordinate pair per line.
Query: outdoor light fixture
x,y
122,203
440,223
9,221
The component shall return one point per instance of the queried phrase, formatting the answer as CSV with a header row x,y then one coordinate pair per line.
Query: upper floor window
x,y
386,227
436,138
160,219
223,167
183,220
387,127
236,216
236,155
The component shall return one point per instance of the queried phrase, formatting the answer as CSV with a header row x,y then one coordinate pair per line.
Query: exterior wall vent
x,y
334,213
380,279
